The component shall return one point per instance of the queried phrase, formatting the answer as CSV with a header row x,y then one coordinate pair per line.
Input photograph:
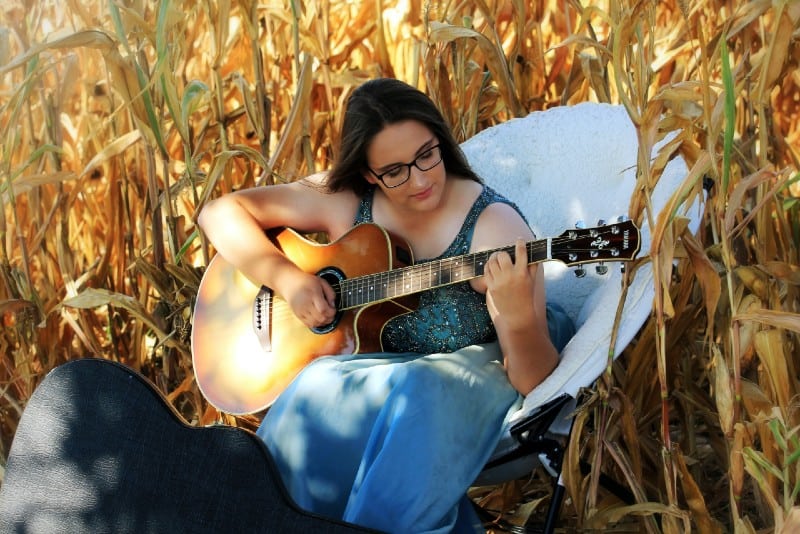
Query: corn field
x,y
120,119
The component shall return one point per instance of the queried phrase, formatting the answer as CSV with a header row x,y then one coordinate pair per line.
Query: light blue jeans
x,y
393,441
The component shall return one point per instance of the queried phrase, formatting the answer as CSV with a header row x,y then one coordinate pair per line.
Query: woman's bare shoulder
x,y
499,224
306,205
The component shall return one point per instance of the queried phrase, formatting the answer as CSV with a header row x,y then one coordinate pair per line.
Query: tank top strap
x,y
463,240
364,213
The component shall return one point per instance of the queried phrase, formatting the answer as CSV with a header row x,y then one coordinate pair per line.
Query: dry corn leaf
x,y
706,275
126,83
747,329
762,471
755,401
723,391
666,152
775,318
571,471
187,385
86,38
294,121
603,519
783,271
743,525
662,253
210,416
736,469
684,196
634,482
694,498
594,71
755,280
738,195
747,13
628,427
94,298
255,121
495,59
770,346
112,150
773,61
26,183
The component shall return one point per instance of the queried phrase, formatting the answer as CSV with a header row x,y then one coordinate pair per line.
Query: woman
x,y
393,440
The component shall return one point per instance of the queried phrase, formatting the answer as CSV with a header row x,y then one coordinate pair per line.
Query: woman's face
x,y
389,155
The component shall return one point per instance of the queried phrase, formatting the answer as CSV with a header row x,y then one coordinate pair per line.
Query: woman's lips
x,y
422,195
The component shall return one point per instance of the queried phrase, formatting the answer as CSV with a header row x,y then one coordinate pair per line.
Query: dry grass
x,y
117,123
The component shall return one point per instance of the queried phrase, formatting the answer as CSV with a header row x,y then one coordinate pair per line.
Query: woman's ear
x,y
369,177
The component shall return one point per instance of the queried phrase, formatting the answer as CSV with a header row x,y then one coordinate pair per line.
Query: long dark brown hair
x,y
375,105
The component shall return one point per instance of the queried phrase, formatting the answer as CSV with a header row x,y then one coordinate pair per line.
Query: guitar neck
x,y
377,287
616,242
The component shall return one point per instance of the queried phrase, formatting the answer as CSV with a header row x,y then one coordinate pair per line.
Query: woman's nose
x,y
417,176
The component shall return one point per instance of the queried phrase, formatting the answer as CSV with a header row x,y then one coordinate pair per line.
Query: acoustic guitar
x,y
247,345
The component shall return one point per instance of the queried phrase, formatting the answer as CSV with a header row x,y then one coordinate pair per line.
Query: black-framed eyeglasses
x,y
398,175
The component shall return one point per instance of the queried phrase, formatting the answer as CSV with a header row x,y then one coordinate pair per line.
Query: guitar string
x,y
279,308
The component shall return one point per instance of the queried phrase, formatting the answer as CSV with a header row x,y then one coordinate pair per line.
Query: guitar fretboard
x,y
368,289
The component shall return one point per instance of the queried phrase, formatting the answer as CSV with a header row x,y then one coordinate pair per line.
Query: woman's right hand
x,y
310,297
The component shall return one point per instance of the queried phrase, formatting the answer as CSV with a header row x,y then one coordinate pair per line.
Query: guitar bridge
x,y
261,315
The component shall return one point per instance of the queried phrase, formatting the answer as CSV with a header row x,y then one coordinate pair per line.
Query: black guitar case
x,y
98,449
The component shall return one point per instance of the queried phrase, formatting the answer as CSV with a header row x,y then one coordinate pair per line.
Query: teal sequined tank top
x,y
449,317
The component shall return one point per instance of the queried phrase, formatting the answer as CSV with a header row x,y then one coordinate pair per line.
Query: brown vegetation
x,y
119,120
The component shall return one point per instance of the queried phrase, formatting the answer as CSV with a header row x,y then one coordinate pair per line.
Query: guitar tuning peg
x,y
622,218
622,268
601,222
580,224
601,269
580,272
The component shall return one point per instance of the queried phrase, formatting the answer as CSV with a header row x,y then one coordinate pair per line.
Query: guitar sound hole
x,y
333,276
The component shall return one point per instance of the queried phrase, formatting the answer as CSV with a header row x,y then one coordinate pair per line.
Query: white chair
x,y
561,166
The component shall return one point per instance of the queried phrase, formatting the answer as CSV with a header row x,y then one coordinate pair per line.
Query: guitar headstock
x,y
618,241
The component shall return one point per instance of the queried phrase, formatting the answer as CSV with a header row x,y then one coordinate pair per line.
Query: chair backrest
x,y
570,164
561,166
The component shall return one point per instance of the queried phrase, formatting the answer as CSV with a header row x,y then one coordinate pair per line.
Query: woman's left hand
x,y
510,287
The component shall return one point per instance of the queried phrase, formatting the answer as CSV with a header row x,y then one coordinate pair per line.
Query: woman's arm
x,y
515,296
235,225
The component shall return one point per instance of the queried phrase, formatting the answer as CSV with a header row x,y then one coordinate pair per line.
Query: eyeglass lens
x,y
424,162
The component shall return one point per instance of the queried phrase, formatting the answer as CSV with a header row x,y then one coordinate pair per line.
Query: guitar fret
x,y
397,284
344,294
482,257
